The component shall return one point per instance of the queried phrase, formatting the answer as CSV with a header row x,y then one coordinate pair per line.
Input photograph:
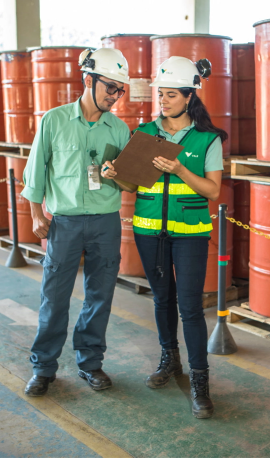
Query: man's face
x,y
105,100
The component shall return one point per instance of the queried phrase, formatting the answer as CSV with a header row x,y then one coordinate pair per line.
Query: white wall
x,y
83,22
235,18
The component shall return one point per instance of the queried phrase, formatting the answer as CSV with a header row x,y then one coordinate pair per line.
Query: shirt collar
x,y
159,125
76,112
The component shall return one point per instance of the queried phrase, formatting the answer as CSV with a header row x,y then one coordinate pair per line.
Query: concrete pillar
x,y
20,24
202,16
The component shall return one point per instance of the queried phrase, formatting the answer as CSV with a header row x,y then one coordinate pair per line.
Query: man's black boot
x,y
169,365
38,385
97,379
199,383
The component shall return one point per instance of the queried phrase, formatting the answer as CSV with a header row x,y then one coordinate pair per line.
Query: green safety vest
x,y
171,206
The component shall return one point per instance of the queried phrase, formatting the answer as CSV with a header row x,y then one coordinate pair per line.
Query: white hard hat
x,y
108,62
180,72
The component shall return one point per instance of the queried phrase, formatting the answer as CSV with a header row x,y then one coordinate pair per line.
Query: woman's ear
x,y
189,97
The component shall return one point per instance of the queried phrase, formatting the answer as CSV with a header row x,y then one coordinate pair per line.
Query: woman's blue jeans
x,y
189,257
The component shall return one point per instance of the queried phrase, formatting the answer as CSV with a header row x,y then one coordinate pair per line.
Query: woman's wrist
x,y
180,170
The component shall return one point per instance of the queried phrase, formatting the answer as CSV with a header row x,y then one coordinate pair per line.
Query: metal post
x,y
221,341
15,259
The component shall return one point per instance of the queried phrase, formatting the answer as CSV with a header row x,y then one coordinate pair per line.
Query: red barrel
x,y
56,78
3,198
18,96
24,219
262,71
2,123
215,93
243,140
259,265
240,235
134,107
226,196
3,187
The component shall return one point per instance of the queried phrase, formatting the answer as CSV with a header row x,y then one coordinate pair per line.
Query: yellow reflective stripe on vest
x,y
180,189
143,222
158,187
172,226
174,189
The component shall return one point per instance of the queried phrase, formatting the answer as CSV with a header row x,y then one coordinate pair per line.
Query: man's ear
x,y
88,81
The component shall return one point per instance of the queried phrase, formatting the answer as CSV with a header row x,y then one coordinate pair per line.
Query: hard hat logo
x,y
163,70
119,65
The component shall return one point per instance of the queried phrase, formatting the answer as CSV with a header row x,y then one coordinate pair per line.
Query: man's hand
x,y
41,224
107,170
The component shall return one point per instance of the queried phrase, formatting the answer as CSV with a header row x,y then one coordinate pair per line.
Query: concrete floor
x,y
129,420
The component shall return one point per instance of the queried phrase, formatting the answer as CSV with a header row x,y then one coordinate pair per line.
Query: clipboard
x,y
134,164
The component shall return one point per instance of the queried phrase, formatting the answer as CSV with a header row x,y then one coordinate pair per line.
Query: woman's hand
x,y
107,170
172,167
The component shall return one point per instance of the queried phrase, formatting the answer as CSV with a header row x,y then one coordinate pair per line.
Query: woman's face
x,y
171,101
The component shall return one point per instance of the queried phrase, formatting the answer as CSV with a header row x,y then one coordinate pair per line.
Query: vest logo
x,y
195,156
119,65
163,70
188,154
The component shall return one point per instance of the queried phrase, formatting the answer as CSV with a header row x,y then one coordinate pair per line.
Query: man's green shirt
x,y
62,149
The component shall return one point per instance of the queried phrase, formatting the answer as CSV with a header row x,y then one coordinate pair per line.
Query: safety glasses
x,y
112,89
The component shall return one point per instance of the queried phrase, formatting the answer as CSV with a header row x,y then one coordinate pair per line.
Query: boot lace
x,y
164,360
200,384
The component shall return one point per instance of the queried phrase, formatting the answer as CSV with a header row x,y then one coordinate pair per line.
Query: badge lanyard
x,y
93,174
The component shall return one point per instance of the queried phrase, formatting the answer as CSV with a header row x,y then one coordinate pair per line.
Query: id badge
x,y
94,182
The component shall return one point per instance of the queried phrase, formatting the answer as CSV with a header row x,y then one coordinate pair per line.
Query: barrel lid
x,y
14,51
34,48
126,35
261,182
264,21
243,45
154,37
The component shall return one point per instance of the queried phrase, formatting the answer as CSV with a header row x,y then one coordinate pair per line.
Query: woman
x,y
172,223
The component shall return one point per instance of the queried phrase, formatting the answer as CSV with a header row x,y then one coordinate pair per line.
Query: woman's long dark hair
x,y
199,114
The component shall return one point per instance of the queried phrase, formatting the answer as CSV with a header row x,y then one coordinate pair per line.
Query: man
x,y
64,166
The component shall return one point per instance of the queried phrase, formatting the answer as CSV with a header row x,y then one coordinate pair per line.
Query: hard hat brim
x,y
114,77
173,84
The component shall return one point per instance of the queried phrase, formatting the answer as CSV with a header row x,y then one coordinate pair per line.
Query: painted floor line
x,y
64,419
150,325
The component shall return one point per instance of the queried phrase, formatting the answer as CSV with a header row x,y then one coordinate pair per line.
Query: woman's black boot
x,y
199,382
169,365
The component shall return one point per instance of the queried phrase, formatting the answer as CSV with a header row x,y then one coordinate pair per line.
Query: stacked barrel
x,y
56,78
243,143
134,108
259,265
32,83
19,128
3,188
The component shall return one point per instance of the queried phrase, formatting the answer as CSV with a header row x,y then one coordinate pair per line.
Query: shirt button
x,y
85,191
86,212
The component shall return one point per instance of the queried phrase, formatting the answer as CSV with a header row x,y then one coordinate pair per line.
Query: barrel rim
x,y
244,44
154,37
263,21
260,182
125,35
25,50
34,48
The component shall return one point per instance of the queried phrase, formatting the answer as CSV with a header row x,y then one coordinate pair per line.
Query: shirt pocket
x,y
66,159
193,215
111,152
